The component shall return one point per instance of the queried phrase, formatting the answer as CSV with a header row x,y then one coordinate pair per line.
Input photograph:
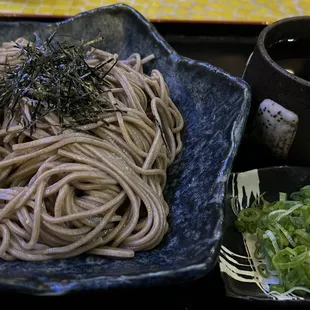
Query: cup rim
x,y
265,54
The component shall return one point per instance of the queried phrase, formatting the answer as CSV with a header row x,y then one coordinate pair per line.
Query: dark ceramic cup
x,y
280,112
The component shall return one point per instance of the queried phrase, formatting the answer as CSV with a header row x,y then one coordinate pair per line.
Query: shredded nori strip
x,y
57,78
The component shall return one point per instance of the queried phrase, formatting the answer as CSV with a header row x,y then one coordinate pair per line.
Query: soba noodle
x,y
98,189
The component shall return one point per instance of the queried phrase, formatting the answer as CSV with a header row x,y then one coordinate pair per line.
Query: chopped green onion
x,y
262,269
288,258
240,225
273,239
283,197
282,229
291,279
249,215
286,234
305,191
259,254
297,206
303,237
251,227
277,288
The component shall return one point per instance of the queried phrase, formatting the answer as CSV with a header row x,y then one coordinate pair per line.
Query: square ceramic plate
x,y
215,107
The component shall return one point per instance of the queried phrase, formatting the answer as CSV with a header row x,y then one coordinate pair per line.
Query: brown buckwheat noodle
x,y
97,190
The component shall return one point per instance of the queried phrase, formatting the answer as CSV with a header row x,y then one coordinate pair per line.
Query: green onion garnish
x,y
282,228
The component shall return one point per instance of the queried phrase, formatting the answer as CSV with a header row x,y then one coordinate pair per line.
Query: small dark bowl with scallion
x,y
265,253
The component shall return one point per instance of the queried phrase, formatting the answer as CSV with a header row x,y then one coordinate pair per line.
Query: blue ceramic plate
x,y
215,107
238,264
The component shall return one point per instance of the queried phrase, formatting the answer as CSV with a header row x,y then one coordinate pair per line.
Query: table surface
x,y
261,11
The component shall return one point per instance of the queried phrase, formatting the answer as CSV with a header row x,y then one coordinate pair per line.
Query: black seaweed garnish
x,y
56,78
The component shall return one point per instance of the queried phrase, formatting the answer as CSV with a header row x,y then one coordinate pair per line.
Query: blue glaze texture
x,y
215,107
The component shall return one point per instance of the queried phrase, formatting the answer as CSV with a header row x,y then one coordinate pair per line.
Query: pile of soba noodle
x,y
98,189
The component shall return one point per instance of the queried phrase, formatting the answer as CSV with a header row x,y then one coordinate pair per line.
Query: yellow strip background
x,y
194,10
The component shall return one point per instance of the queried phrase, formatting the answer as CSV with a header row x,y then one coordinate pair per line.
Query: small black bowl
x,y
236,260
289,92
